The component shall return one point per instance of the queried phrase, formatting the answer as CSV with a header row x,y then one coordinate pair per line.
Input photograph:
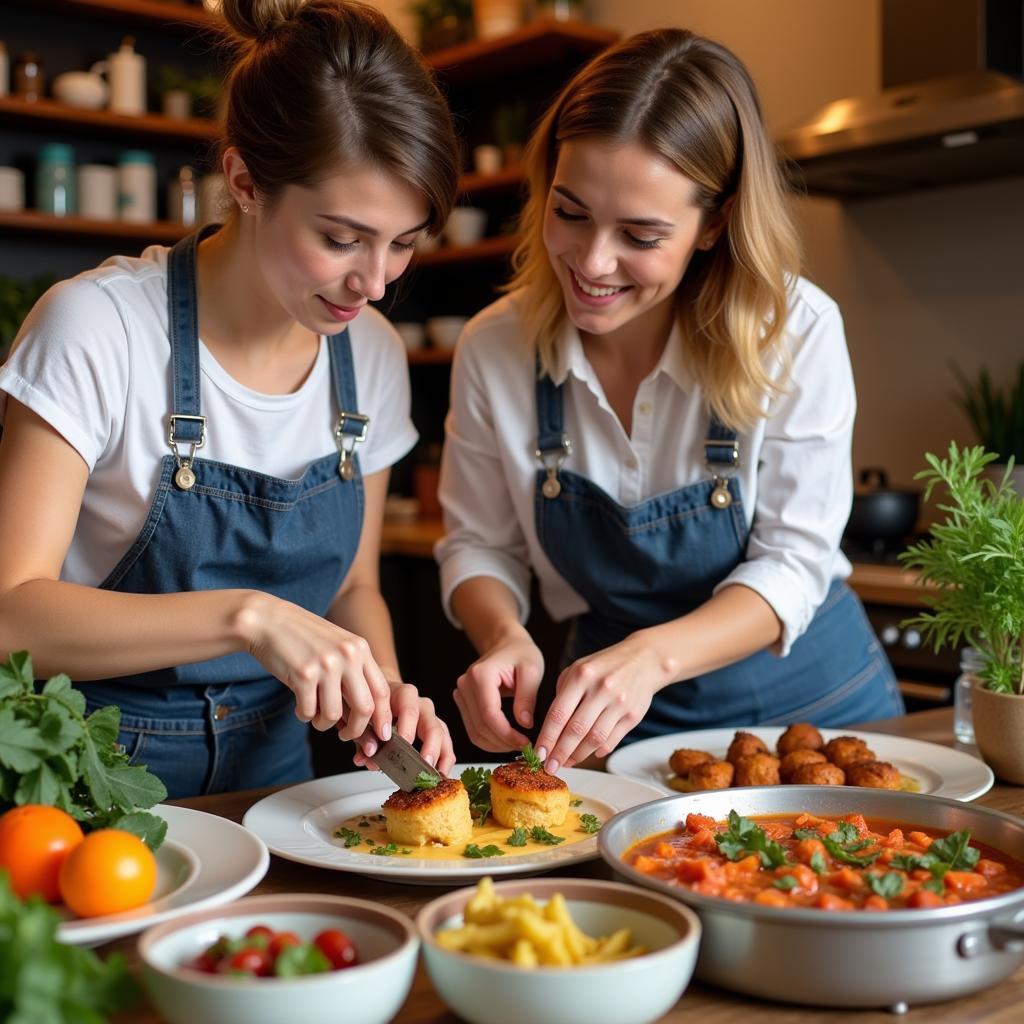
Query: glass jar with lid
x,y
55,180
970,665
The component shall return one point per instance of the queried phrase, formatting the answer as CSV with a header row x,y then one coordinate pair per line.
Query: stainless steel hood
x,y
964,122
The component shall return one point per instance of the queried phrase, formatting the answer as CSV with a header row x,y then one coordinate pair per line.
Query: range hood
x,y
951,108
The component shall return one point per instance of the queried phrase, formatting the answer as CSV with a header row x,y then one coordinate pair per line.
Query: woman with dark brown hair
x,y
197,441
657,422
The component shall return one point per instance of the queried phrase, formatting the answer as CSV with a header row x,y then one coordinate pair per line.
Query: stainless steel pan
x,y
864,959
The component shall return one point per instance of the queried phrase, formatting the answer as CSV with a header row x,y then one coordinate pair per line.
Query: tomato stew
x,y
844,863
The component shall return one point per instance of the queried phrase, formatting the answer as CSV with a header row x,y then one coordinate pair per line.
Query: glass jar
x,y
55,180
136,173
970,665
183,197
29,77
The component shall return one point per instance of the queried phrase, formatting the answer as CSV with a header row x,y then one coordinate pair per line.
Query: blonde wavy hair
x,y
692,102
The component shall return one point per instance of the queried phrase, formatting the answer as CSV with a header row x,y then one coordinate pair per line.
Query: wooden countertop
x,y
998,1005
875,584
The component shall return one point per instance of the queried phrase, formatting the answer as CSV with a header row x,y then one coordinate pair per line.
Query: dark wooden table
x,y
1001,1005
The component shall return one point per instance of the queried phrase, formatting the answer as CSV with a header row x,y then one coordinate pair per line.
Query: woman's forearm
x,y
98,634
488,612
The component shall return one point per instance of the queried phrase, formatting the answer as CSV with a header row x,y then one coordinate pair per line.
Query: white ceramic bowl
x,y
371,992
465,225
413,334
81,89
633,991
444,331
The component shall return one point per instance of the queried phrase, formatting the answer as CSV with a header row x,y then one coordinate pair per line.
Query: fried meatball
x,y
710,775
844,750
743,745
797,759
821,774
873,775
683,760
799,736
757,770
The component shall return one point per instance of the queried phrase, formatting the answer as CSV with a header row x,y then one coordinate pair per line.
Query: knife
x,y
402,763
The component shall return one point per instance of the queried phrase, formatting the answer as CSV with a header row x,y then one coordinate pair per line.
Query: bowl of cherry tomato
x,y
268,959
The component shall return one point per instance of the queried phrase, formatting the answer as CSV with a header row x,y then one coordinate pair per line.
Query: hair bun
x,y
257,19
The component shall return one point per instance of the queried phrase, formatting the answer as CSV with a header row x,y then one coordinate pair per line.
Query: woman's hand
x,y
414,718
599,699
514,667
330,670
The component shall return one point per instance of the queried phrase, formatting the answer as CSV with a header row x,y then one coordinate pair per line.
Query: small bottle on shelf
x,y
5,71
183,198
137,186
29,77
55,180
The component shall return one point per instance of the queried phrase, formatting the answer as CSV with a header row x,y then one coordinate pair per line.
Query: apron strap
x,y
721,450
550,421
352,426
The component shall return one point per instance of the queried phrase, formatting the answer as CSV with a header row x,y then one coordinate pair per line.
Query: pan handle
x,y
1007,933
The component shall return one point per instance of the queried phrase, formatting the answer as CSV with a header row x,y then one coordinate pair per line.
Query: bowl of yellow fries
x,y
558,950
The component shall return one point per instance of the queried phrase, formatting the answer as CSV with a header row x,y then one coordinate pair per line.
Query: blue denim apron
x,y
656,561
225,724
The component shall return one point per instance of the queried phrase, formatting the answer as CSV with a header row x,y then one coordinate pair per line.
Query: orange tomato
x,y
109,871
34,841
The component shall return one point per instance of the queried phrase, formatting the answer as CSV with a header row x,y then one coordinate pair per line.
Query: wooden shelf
x,y
414,538
149,13
51,115
543,42
31,222
430,356
508,179
497,248
887,584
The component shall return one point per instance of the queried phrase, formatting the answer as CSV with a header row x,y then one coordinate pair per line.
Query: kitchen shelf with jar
x,y
168,14
34,223
497,248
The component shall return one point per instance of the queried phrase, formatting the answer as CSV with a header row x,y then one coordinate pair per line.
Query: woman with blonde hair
x,y
656,420
197,441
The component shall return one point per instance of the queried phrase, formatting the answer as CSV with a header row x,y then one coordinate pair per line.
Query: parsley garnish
x,y
532,760
743,838
888,885
845,843
351,837
474,851
364,823
539,834
950,854
385,851
519,837
576,802
478,785
426,781
589,823
818,864
786,882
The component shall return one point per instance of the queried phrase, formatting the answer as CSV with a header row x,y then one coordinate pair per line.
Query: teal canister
x,y
55,180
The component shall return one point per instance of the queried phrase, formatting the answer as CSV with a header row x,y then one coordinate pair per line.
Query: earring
x,y
245,207
707,243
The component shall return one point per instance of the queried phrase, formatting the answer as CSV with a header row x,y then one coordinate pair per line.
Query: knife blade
x,y
402,763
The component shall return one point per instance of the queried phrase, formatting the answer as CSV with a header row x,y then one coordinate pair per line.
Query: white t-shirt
x,y
93,359
794,474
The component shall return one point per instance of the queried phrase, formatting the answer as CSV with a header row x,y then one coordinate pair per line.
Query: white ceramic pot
x,y
465,225
81,89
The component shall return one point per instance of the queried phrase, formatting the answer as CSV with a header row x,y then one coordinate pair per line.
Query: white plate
x,y
938,770
205,861
298,823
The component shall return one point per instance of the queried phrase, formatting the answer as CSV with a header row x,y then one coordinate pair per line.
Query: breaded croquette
x,y
683,760
757,770
873,775
823,774
743,745
797,759
424,816
799,736
844,750
522,797
709,775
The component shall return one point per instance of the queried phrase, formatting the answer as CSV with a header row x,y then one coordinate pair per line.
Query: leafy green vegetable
x,y
743,838
478,785
589,823
786,882
530,757
474,851
304,958
44,980
539,834
426,781
51,752
848,854
519,837
351,837
888,885
806,833
949,854
576,802
818,864
385,851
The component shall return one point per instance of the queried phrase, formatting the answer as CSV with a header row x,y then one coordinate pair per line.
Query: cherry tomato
x,y
35,840
107,872
280,940
260,930
339,949
206,962
246,961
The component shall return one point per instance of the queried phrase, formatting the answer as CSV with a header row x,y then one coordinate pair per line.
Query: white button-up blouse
x,y
794,473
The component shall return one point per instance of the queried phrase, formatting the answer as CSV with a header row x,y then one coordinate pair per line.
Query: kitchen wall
x,y
921,278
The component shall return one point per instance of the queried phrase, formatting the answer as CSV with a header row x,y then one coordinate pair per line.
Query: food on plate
x,y
804,759
797,759
530,934
435,814
523,795
841,864
261,952
34,841
743,745
108,872
757,770
799,736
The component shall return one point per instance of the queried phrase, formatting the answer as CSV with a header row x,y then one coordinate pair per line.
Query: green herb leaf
x,y
576,802
519,837
20,743
845,843
786,882
150,828
426,781
539,834
818,863
955,851
743,838
478,785
363,823
888,885
530,757
806,833
305,958
935,885
589,823
475,852
350,836
385,851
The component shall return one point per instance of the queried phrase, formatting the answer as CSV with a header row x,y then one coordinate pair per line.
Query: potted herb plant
x,y
975,557
997,415
16,299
